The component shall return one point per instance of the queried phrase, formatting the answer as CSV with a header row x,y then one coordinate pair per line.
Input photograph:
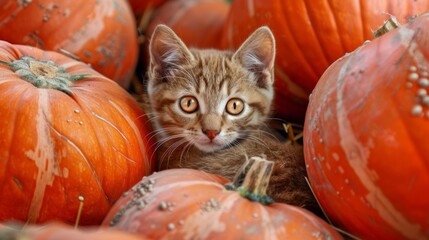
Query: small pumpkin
x,y
192,204
67,133
100,33
56,230
366,135
310,36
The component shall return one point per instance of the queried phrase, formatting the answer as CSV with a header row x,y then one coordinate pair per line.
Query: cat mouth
x,y
209,146
211,143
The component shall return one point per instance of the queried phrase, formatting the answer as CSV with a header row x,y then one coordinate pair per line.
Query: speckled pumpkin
x,y
100,33
191,204
67,132
366,137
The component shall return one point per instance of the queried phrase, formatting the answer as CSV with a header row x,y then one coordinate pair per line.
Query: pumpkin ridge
x,y
83,108
43,155
96,133
320,45
97,116
265,215
132,124
227,203
336,25
21,106
362,17
78,149
297,46
407,130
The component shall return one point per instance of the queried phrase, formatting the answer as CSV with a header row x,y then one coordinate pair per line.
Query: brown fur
x,y
213,77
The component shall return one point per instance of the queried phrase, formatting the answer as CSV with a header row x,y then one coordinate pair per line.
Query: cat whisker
x,y
163,141
150,118
185,151
148,115
170,150
161,131
276,119
261,131
256,140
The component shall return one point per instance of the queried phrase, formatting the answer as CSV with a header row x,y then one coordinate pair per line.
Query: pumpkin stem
x,y
389,25
252,180
43,74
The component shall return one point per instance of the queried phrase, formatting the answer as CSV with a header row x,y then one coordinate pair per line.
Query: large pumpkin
x,y
101,33
366,137
191,204
69,136
310,36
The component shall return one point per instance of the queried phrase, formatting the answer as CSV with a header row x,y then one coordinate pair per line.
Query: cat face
x,y
208,98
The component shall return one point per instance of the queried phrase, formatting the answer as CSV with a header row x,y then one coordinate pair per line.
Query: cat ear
x,y
167,50
257,55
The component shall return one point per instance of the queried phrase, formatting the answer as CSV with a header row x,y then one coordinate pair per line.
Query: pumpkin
x,y
69,136
366,133
56,230
100,33
310,36
199,23
140,6
192,204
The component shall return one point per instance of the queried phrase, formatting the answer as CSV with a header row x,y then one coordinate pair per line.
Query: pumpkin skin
x,y
310,37
192,204
56,230
100,33
139,6
366,133
199,23
56,147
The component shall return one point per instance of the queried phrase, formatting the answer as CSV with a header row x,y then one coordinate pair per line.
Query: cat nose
x,y
211,134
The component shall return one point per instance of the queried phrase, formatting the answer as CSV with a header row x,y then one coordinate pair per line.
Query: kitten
x,y
210,107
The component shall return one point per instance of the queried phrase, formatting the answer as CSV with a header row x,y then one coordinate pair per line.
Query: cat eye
x,y
235,106
188,104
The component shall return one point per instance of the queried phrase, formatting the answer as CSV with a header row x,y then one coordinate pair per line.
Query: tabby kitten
x,y
209,108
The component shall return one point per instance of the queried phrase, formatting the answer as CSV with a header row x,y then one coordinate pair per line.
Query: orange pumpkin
x,y
199,23
101,33
366,135
55,231
67,133
191,204
310,36
139,6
